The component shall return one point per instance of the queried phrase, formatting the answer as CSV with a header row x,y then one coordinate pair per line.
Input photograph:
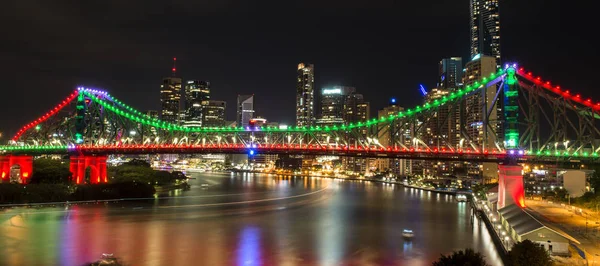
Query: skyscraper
x,y
450,78
197,95
483,99
356,109
485,29
170,98
333,101
388,135
483,128
245,109
450,73
214,114
305,98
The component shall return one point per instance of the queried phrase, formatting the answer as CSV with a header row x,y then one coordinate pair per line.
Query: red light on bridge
x,y
577,96
529,74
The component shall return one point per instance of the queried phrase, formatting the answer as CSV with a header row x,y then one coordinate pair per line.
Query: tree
x,y
561,194
595,182
468,257
50,171
137,162
527,253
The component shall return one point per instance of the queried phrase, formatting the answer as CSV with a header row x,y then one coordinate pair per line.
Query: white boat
x,y
407,233
461,197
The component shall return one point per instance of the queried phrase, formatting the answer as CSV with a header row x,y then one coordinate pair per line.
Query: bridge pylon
x,y
97,164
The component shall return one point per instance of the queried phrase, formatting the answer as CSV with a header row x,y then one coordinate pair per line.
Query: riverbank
x,y
31,195
582,226
167,188
354,179
479,211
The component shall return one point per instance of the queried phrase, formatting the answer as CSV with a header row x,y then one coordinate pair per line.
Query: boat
x,y
461,197
407,233
108,260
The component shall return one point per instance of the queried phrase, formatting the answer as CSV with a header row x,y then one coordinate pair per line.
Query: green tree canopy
x,y
468,257
50,171
527,253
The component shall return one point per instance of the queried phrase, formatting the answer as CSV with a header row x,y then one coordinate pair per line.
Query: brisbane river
x,y
250,219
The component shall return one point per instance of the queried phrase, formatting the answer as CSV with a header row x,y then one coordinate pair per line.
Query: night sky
x,y
383,48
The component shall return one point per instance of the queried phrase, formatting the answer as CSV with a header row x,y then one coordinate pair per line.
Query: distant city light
x,y
332,91
423,91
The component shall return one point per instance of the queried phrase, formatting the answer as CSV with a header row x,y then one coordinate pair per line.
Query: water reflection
x,y
249,247
348,223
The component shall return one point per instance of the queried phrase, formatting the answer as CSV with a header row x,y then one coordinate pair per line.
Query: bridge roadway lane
x,y
250,219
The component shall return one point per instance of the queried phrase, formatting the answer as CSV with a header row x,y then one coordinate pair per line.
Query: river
x,y
250,219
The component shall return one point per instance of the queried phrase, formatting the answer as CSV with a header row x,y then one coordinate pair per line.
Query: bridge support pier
x,y
97,164
23,161
510,186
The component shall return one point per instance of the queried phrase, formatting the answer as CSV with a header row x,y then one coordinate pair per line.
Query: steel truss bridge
x,y
524,119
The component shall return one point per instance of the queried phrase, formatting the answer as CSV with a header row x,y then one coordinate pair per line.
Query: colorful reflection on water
x,y
246,219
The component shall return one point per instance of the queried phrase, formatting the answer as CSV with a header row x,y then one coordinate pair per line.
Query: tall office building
x,y
333,101
449,79
245,109
356,109
476,103
438,130
476,106
397,135
438,126
170,98
214,114
305,98
485,29
197,95
450,73
389,136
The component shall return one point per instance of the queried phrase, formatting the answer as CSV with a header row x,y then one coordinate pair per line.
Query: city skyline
x,y
398,75
286,132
